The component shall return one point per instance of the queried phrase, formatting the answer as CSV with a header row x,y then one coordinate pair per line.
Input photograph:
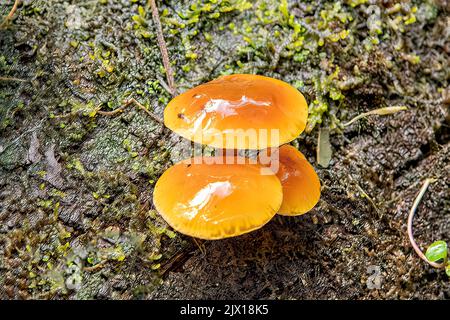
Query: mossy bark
x,y
76,212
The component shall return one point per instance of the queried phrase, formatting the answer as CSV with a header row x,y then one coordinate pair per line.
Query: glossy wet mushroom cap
x,y
214,201
301,185
217,112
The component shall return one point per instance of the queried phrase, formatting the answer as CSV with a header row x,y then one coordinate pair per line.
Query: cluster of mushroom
x,y
224,196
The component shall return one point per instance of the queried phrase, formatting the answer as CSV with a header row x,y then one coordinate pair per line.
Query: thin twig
x,y
164,84
380,112
410,225
151,114
127,103
200,246
12,79
95,267
367,197
11,13
163,47
115,111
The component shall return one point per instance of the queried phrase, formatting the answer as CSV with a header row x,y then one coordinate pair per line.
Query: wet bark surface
x,y
76,214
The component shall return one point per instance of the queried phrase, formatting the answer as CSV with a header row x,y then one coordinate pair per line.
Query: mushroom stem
x,y
410,225
163,47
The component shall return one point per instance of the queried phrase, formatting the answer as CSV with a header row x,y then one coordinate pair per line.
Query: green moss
x,y
355,3
329,50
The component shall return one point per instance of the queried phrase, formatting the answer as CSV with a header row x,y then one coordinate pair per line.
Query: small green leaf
x,y
447,269
437,251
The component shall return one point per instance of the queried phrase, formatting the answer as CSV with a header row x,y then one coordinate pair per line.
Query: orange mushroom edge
x,y
227,112
204,198
301,185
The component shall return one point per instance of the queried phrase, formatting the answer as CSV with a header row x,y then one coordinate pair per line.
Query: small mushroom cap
x,y
214,201
301,185
224,113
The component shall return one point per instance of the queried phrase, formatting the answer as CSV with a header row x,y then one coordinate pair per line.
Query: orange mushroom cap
x,y
226,112
301,185
214,201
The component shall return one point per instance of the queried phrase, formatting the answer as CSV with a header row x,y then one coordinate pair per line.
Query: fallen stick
x,y
11,13
163,48
380,112
128,103
12,79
